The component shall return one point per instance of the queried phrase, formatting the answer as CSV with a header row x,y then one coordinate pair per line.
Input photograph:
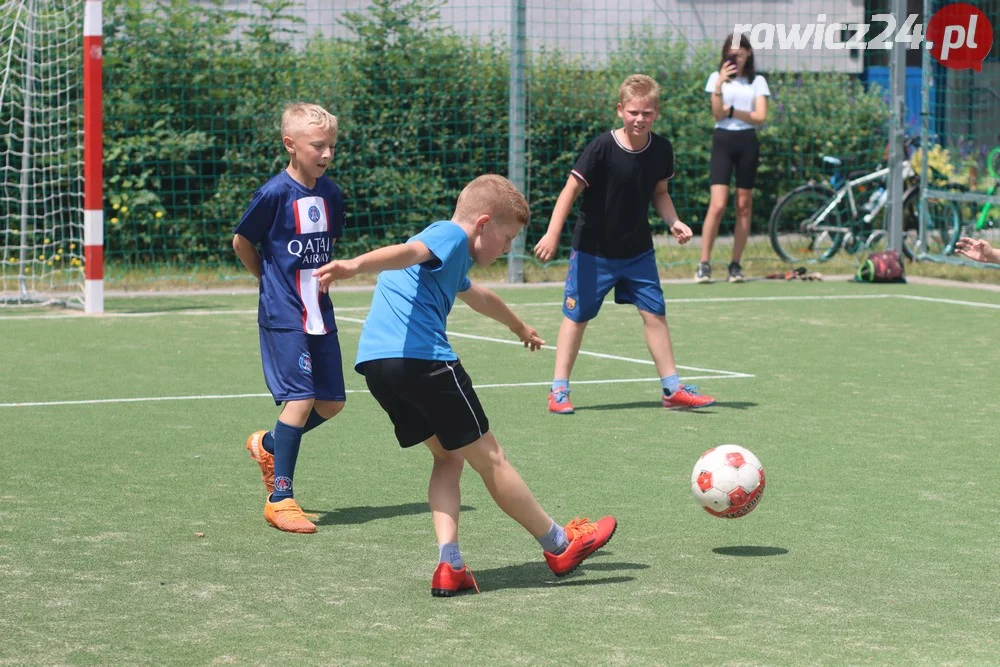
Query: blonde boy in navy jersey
x,y
420,383
294,219
619,174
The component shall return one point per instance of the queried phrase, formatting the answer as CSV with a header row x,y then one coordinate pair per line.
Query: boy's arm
x,y
485,301
664,205
545,249
399,256
247,252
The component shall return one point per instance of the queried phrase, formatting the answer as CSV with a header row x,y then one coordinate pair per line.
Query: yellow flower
x,y
159,214
27,269
41,258
75,262
47,241
114,221
58,258
72,246
49,262
114,206
124,209
13,260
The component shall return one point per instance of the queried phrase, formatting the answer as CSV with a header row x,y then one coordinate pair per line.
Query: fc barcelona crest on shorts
x,y
570,303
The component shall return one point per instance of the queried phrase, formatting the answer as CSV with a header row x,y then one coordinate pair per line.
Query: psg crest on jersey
x,y
305,362
314,213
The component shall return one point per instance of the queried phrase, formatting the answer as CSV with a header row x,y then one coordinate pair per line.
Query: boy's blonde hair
x,y
297,116
493,195
639,86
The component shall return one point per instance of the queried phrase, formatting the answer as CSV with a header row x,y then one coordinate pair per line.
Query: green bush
x,y
193,95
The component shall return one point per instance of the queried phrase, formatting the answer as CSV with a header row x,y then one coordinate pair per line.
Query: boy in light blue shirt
x,y
417,378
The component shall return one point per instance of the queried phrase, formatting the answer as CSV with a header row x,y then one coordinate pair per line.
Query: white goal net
x,y
41,151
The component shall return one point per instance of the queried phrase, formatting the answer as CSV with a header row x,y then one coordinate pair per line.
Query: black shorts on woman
x,y
734,150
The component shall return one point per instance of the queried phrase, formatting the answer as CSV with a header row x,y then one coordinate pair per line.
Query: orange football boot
x,y
264,458
286,515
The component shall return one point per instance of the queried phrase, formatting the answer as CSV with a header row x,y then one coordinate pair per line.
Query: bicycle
x,y
983,218
815,220
993,165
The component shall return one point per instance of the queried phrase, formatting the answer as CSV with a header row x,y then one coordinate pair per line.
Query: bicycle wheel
x,y
993,163
795,236
944,225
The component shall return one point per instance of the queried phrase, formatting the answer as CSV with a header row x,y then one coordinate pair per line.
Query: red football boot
x,y
585,537
448,581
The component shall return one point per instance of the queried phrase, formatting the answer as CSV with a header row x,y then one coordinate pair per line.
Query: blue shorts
x,y
298,365
636,280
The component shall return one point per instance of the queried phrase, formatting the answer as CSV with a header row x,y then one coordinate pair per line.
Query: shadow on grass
x,y
728,405
619,406
750,551
734,405
366,513
538,575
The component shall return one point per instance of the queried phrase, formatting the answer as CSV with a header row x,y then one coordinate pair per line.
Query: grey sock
x,y
450,554
554,541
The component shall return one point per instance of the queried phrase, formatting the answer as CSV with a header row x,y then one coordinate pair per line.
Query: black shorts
x,y
734,149
425,398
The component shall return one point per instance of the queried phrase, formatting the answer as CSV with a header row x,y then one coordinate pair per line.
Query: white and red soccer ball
x,y
728,481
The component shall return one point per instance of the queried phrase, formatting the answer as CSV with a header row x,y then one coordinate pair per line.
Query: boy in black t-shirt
x,y
619,174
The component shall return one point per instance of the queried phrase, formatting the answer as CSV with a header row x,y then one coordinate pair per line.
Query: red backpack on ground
x,y
882,267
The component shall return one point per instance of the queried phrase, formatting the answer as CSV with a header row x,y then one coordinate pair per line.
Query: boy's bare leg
x,y
444,491
568,347
295,413
675,395
658,341
509,491
328,409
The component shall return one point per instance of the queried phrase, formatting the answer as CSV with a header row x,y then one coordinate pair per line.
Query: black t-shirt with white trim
x,y
619,184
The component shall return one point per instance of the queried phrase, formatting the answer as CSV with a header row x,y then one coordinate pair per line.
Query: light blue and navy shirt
x,y
410,306
295,228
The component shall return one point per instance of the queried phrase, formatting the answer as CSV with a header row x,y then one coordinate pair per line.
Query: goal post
x,y
50,117
93,185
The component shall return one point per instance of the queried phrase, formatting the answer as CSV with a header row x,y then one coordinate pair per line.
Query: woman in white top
x,y
739,106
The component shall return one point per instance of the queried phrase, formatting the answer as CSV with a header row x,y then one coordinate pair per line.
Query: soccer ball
x,y
728,481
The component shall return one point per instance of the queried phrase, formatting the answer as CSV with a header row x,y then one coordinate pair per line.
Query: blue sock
x,y
558,385
315,419
286,451
554,541
450,554
671,383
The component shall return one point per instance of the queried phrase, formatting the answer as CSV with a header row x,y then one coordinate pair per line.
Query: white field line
x,y
210,397
601,355
550,304
953,302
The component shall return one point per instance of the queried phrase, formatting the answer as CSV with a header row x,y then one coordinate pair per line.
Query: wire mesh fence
x,y
193,91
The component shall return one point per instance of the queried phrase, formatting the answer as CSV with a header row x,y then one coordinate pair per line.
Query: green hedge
x,y
193,94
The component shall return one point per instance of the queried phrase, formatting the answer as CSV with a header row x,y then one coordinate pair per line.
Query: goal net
x,y
41,151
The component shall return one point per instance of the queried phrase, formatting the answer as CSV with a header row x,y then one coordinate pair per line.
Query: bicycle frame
x,y
993,156
847,190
